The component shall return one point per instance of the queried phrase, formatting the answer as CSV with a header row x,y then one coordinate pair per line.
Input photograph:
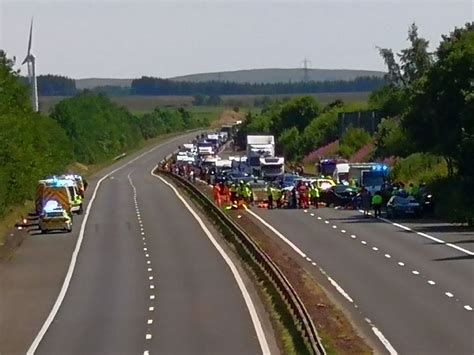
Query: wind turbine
x,y
30,63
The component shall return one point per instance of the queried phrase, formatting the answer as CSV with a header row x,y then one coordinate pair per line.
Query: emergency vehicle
x,y
372,176
76,199
54,217
53,190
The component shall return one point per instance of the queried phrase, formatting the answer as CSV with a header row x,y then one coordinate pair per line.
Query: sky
x,y
128,39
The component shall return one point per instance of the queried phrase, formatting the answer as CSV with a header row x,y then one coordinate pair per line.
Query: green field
x,y
143,104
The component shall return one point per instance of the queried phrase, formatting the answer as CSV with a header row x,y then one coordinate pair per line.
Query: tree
x,y
297,113
441,109
289,141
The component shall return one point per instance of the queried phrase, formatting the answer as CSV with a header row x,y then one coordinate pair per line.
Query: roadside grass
x,y
17,212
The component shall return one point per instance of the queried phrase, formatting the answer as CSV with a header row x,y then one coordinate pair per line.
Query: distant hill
x,y
246,76
90,83
279,75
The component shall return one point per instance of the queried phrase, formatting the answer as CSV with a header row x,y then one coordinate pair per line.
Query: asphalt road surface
x,y
415,292
147,279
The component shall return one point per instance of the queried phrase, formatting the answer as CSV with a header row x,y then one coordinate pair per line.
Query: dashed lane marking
x,y
353,236
375,248
449,294
388,256
148,336
414,272
468,308
151,309
150,321
431,282
67,279
401,264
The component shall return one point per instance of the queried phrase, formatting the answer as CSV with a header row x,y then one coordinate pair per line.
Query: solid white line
x,y
384,341
67,280
281,236
243,289
300,252
424,235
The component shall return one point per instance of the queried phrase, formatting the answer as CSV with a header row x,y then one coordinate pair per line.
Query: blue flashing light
x,y
51,205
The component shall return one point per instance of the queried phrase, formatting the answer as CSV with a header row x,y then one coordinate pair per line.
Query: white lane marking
x,y
377,332
151,308
300,252
327,222
391,350
152,287
388,256
150,277
431,282
467,307
339,289
148,336
414,272
148,262
145,249
150,321
67,280
343,231
353,236
152,297
243,289
311,214
146,352
375,248
281,236
401,264
142,233
149,269
334,226
364,242
313,263
319,218
147,255
308,259
449,294
424,235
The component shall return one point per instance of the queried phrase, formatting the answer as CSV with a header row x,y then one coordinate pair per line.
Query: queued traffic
x,y
258,177
58,198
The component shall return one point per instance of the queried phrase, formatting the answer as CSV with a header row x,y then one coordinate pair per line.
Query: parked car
x,y
399,206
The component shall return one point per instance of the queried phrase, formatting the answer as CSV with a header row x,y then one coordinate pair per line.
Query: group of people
x,y
235,194
303,195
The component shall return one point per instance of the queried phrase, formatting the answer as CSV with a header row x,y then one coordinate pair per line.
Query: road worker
x,y
314,195
377,201
217,195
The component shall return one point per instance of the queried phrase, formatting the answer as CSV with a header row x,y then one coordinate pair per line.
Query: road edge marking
x,y
67,280
339,289
243,289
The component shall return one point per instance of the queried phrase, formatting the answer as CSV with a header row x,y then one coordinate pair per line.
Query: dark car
x,y
339,195
399,206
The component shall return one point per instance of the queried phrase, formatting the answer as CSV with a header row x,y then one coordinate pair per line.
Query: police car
x,y
54,217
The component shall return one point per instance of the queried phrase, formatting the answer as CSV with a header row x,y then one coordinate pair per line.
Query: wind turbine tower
x,y
31,65
306,70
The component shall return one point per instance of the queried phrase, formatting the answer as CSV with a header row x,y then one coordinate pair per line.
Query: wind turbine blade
x,y
31,38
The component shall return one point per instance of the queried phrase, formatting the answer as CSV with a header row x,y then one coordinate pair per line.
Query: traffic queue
x,y
57,199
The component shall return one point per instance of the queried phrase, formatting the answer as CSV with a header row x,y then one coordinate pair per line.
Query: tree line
x,y
157,86
88,128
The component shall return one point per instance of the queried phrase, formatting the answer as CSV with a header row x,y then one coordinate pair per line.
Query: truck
x,y
272,167
259,147
341,173
372,176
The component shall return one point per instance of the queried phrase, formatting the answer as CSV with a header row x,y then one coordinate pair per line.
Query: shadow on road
x,y
454,258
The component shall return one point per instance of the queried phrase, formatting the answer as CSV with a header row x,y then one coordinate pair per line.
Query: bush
x,y
391,139
418,168
353,140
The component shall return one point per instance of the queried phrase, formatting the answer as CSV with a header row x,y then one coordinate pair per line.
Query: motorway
x,y
147,279
414,292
